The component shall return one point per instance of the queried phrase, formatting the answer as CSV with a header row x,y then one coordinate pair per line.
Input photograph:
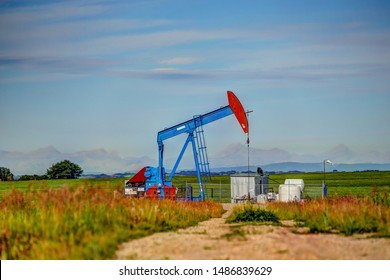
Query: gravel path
x,y
215,240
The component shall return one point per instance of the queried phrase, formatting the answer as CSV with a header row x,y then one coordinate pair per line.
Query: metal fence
x,y
219,192
222,192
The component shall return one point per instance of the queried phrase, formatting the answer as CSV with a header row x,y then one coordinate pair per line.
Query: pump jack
x,y
151,182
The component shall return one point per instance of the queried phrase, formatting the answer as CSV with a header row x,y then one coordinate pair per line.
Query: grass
x,y
358,203
236,233
45,185
88,218
87,222
252,213
339,183
345,215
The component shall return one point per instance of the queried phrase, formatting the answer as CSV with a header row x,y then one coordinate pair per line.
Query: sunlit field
x,y
345,215
90,218
86,222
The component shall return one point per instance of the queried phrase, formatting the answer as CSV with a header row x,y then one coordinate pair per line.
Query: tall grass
x,y
86,222
345,215
252,213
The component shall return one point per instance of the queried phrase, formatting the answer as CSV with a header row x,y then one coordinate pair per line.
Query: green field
x,y
89,218
339,183
44,185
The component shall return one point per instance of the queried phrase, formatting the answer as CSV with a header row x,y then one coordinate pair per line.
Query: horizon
x,y
101,161
83,76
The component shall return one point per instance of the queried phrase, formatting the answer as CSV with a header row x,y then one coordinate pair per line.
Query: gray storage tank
x,y
244,187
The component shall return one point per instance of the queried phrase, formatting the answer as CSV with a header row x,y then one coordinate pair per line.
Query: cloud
x,y
165,73
179,60
98,160
311,73
236,154
52,11
60,64
63,38
125,43
53,68
39,77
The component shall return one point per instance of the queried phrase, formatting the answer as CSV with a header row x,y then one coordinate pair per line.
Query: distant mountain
x,y
314,167
236,154
233,156
307,167
45,152
91,161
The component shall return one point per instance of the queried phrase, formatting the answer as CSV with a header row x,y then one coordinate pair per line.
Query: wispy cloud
x,y
47,12
69,38
179,60
166,73
271,53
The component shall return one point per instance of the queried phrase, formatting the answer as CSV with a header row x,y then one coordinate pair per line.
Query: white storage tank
x,y
291,190
296,182
289,193
244,187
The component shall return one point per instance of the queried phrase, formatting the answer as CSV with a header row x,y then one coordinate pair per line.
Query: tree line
x,y
61,170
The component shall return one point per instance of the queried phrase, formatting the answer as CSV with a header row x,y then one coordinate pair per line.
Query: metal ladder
x,y
203,159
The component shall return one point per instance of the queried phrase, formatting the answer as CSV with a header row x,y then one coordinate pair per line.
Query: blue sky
x,y
81,75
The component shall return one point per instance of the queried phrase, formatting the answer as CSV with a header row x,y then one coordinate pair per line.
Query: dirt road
x,y
216,240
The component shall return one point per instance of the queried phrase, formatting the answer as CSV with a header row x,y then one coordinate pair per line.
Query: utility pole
x,y
247,142
324,187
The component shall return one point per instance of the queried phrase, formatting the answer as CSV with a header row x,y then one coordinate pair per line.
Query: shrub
x,y
251,213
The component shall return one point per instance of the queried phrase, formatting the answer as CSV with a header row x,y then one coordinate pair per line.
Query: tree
x,y
33,177
64,170
5,174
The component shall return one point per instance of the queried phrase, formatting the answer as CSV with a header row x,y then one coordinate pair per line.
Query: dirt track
x,y
216,240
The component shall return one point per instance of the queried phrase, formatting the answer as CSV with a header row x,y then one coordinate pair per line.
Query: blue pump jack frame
x,y
188,127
